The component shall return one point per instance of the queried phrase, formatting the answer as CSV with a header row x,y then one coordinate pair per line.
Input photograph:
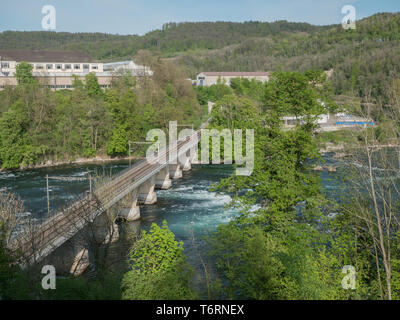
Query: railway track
x,y
47,236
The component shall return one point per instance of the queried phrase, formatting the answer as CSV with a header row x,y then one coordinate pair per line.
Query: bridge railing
x,y
165,151
64,223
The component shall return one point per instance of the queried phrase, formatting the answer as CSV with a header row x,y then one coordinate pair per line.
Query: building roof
x,y
236,74
44,56
118,63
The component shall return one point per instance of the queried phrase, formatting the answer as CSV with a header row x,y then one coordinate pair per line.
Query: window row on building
x,y
65,66
57,69
69,86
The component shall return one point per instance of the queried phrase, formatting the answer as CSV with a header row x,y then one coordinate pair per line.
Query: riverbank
x,y
343,143
331,147
341,150
94,160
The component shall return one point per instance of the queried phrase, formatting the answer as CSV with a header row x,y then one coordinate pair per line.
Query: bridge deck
x,y
36,243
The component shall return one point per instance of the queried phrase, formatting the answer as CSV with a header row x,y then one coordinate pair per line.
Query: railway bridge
x,y
63,240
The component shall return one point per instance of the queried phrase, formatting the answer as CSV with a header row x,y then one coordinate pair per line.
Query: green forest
x,y
38,125
173,38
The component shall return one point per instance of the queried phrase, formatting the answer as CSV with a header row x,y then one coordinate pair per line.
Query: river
x,y
190,209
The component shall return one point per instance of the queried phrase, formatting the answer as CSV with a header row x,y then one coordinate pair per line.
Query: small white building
x,y
332,122
211,78
130,66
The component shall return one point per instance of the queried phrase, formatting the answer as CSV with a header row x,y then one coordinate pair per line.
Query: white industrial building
x,y
58,69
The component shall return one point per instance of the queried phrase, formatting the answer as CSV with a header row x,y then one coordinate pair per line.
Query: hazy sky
x,y
141,16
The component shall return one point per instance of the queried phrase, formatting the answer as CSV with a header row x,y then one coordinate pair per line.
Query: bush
x,y
159,270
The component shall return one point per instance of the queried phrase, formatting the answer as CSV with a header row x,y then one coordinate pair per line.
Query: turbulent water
x,y
30,185
190,209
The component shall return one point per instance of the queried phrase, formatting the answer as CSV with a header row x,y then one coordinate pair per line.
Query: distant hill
x,y
364,61
174,37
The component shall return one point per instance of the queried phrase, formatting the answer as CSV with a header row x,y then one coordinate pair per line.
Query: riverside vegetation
x,y
292,238
290,246
38,125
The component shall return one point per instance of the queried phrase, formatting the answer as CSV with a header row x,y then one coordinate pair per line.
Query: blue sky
x,y
141,16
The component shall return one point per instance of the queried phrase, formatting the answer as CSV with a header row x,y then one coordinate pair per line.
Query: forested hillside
x,y
364,61
174,37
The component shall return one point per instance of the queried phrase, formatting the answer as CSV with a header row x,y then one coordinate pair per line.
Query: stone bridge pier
x,y
146,193
175,171
185,162
163,181
131,209
77,253
186,159
71,258
72,249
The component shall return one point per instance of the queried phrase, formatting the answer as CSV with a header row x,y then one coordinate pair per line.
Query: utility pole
x,y
139,142
90,186
129,153
186,125
48,198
